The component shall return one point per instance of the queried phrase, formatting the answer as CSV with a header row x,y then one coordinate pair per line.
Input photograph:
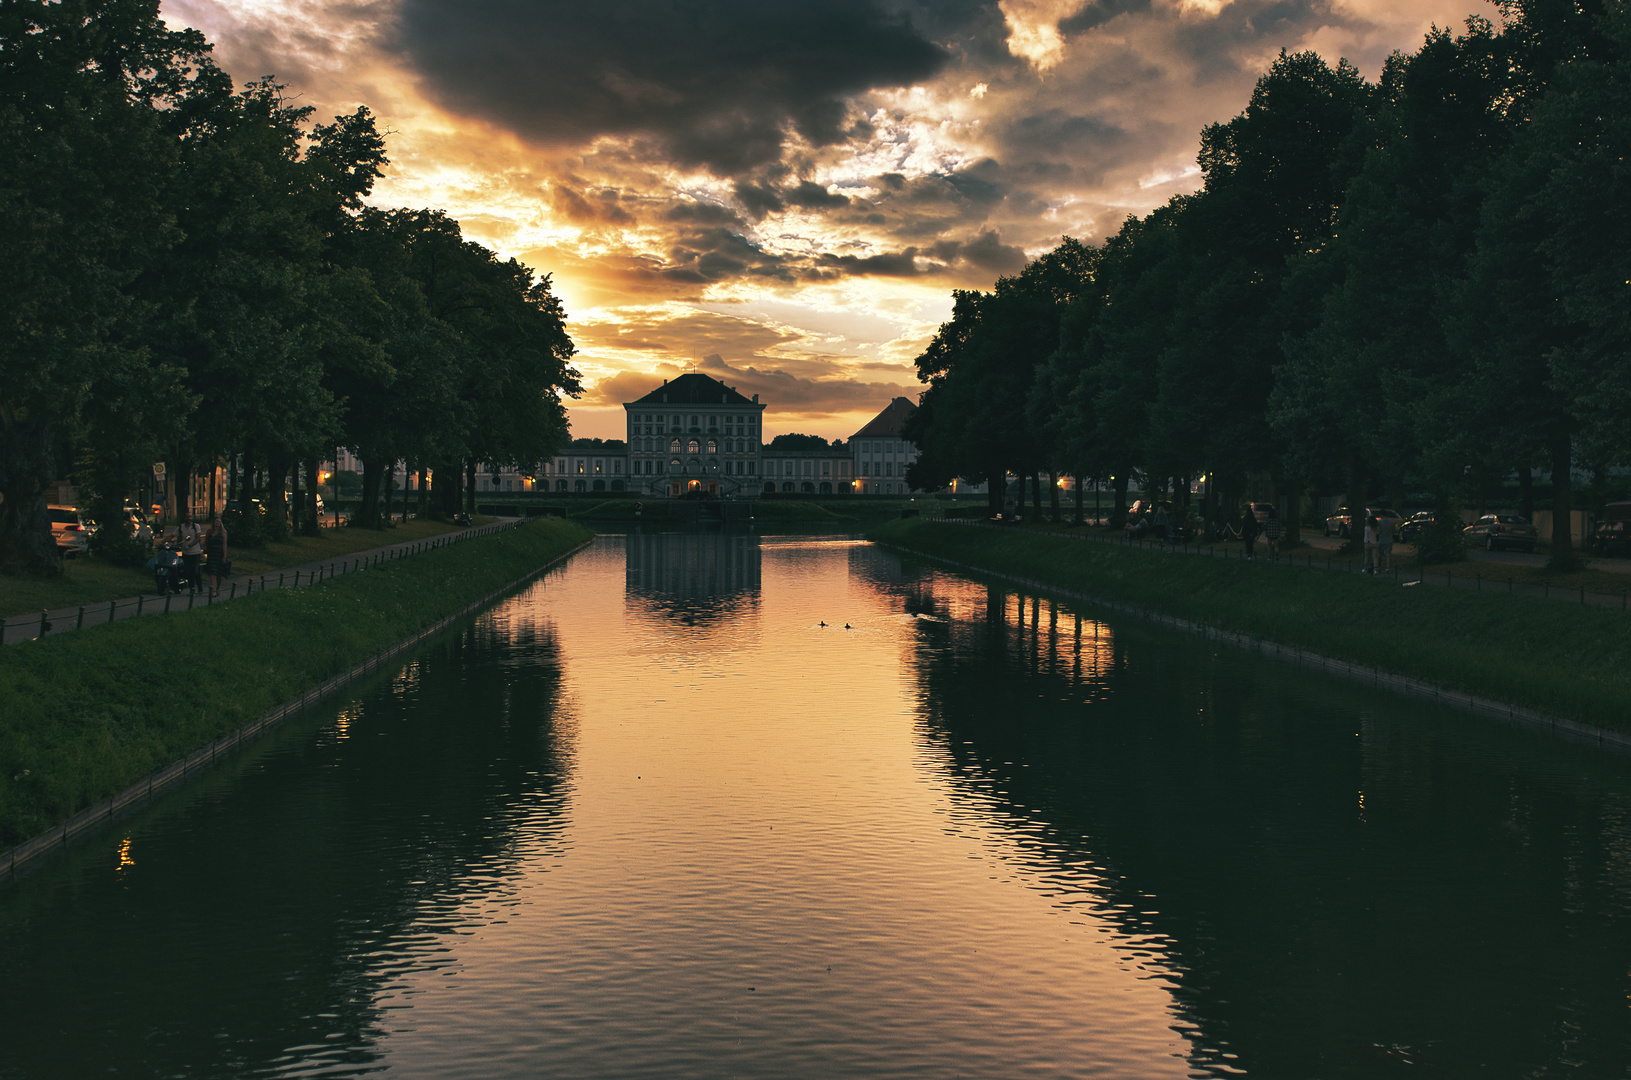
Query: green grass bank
x,y
1557,658
84,715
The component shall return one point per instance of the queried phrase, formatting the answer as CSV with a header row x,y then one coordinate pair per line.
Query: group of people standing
x,y
197,545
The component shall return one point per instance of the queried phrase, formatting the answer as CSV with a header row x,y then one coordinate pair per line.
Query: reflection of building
x,y
692,575
694,436
881,453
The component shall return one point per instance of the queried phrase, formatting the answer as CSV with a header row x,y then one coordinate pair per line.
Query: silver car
x,y
70,529
1497,531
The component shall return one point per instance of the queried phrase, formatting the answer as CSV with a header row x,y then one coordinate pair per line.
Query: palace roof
x,y
888,423
693,388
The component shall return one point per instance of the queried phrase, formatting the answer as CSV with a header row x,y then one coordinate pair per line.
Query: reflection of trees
x,y
262,918
700,576
1431,891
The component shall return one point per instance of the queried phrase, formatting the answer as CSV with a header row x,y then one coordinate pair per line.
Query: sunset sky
x,y
784,195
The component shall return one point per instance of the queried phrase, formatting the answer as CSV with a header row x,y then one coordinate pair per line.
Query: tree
x,y
84,86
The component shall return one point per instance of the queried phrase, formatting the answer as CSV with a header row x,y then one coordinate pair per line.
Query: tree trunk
x,y
390,493
1053,495
1563,555
1526,491
1036,496
1356,505
470,487
28,466
424,490
277,506
1118,509
367,515
996,491
314,485
1291,514
181,485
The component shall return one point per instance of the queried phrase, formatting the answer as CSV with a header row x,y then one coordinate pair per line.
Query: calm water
x,y
650,819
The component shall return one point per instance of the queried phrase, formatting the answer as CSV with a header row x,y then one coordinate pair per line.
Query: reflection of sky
x,y
955,831
795,188
1328,881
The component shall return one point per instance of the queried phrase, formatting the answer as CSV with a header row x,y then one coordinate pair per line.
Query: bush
x,y
1442,542
245,529
118,546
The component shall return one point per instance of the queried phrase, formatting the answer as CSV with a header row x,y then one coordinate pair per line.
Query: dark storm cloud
x,y
716,82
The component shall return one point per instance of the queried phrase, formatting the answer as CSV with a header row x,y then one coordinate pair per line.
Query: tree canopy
x,y
1419,283
193,276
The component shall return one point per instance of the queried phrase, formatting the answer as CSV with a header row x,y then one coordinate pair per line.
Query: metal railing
x,y
20,628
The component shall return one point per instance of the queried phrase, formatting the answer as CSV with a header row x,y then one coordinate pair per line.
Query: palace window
x,y
691,447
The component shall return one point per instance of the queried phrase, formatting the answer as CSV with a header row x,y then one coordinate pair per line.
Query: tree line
x,y
192,277
1417,284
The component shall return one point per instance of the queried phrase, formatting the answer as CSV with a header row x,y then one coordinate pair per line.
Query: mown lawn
x,y
1559,658
84,715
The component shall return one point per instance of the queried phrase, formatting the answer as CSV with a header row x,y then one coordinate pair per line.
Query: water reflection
x,y
695,577
257,926
1333,883
888,824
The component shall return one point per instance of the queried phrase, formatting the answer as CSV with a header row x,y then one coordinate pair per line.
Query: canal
x,y
651,818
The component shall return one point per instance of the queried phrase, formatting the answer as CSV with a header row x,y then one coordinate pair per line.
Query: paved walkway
x,y
1480,575
64,620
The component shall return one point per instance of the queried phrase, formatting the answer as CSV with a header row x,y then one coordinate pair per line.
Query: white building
x,y
881,453
694,435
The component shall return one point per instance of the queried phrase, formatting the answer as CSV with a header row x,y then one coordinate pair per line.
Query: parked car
x,y
1497,531
70,529
1410,529
1341,522
1614,530
138,526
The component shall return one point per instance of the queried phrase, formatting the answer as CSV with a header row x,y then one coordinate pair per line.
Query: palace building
x,y
694,435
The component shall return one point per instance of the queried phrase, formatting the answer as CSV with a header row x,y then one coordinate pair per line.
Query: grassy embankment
x,y
84,715
87,580
1560,659
1493,573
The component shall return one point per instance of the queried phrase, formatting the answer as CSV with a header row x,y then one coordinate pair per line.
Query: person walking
x,y
1249,530
1271,533
190,538
1370,542
215,553
1384,542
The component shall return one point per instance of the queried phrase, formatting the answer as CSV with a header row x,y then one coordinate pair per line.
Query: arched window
x,y
600,485
560,485
580,485
674,466
691,446
770,488
713,447
693,466
807,487
713,465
